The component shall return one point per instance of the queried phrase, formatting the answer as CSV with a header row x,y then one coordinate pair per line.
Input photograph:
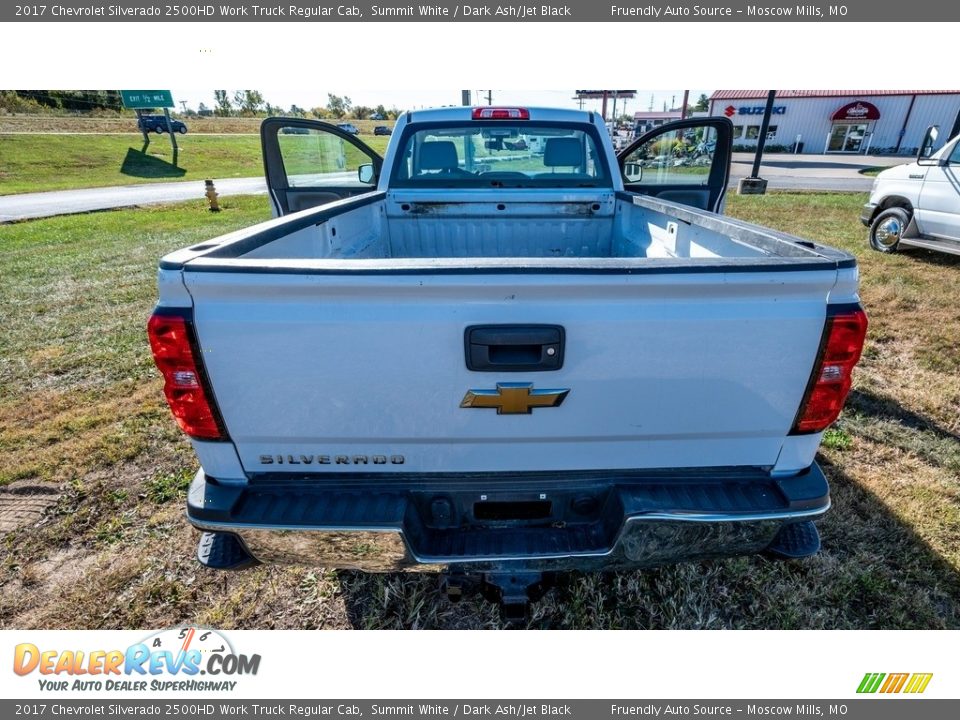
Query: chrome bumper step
x,y
534,522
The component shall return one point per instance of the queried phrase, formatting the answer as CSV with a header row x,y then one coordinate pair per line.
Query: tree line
x,y
251,103
238,103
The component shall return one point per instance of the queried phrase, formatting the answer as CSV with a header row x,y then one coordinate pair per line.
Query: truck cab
x,y
918,204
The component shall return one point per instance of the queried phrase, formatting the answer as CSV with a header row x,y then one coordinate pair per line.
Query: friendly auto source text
x,y
656,11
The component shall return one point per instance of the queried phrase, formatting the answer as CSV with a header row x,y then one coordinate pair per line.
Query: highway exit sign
x,y
143,99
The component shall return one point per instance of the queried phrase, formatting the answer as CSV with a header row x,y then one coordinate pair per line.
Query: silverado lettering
x,y
330,459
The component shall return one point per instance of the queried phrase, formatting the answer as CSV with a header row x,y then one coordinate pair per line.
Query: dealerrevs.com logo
x,y
179,659
891,683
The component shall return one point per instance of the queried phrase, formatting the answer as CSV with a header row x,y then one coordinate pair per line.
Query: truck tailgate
x,y
361,373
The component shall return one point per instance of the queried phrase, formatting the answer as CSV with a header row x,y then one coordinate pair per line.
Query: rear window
x,y
500,154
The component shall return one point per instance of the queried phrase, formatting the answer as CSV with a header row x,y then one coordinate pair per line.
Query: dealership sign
x,y
857,110
730,110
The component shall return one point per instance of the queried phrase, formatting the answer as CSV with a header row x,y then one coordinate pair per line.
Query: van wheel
x,y
888,228
182,129
158,130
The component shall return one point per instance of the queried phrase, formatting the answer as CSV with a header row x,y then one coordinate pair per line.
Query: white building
x,y
841,121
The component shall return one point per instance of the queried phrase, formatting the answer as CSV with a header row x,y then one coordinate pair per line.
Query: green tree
x,y
222,106
338,106
249,102
703,103
361,112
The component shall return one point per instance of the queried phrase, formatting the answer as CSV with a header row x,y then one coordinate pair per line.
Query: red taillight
x,y
173,352
833,373
500,113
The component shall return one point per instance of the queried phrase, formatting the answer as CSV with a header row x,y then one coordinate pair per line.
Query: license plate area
x,y
512,510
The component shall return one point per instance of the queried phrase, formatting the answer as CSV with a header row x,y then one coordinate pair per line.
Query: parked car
x,y
158,124
294,130
381,130
504,368
349,127
918,204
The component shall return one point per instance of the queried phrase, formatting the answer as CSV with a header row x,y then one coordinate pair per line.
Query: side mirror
x,y
633,172
365,174
926,147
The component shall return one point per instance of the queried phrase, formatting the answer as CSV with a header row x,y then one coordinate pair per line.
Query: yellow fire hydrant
x,y
212,197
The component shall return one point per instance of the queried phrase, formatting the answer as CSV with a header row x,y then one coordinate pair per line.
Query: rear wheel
x,y
158,129
182,129
888,228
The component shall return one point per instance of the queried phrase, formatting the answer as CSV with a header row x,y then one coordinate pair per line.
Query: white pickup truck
x,y
470,356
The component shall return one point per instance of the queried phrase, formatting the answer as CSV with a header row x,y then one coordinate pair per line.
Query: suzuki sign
x,y
730,110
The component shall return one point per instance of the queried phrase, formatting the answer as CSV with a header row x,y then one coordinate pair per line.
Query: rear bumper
x,y
594,521
867,213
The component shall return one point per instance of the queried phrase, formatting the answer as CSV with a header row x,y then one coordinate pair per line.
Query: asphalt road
x,y
27,206
829,173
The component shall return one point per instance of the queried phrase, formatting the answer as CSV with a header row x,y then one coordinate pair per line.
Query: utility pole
x,y
683,110
489,97
183,104
465,97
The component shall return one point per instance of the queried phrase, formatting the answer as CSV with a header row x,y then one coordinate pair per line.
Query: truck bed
x,y
693,352
519,224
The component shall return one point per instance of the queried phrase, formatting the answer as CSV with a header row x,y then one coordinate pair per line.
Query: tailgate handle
x,y
514,348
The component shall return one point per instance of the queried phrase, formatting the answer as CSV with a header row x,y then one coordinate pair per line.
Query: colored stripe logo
x,y
913,683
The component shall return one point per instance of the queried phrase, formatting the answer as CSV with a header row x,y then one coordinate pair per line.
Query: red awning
x,y
857,110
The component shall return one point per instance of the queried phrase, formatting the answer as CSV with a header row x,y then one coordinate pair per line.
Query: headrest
x,y
563,152
438,155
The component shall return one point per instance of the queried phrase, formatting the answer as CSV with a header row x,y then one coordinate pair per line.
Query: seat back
x,y
563,152
438,155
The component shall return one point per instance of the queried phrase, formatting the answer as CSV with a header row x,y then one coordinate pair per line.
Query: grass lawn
x,y
82,418
33,163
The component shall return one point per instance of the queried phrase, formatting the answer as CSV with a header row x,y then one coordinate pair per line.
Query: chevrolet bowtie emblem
x,y
513,398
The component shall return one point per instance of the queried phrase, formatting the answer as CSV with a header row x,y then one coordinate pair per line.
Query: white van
x,y
918,205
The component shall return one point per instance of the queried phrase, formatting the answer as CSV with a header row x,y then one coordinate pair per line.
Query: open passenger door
x,y
686,162
309,163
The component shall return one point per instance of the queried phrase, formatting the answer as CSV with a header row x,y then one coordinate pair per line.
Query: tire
x,y
182,129
158,129
887,229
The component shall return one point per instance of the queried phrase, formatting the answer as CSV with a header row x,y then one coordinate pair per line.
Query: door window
x,y
317,158
678,157
954,158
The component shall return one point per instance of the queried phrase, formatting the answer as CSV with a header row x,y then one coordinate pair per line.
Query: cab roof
x,y
461,113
